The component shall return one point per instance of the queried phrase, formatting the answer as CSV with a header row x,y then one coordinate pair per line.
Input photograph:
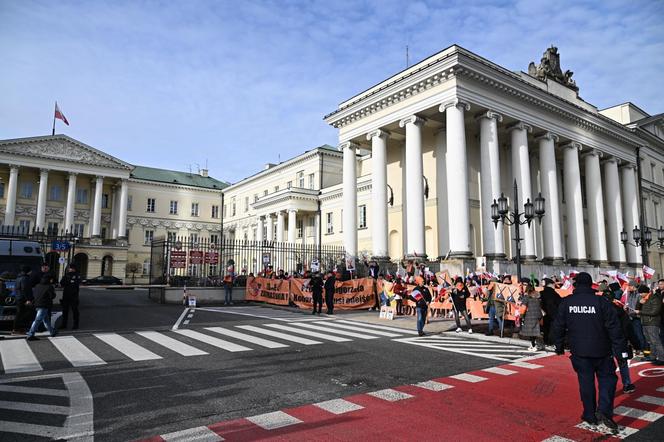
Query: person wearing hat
x,y
550,303
649,308
460,295
591,325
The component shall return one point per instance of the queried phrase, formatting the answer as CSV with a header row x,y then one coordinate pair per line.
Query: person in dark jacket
x,y
23,296
70,283
43,294
649,308
595,337
316,284
531,321
625,325
422,297
329,292
550,302
460,295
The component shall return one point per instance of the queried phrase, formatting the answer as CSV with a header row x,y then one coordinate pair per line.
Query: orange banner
x,y
353,294
272,291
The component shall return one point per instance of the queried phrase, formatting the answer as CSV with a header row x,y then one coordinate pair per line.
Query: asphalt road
x,y
134,399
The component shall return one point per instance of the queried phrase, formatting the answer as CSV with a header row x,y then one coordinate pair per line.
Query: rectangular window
x,y
289,184
149,236
215,211
300,179
53,228
193,238
298,228
2,190
311,181
265,192
362,213
311,226
26,190
81,196
173,208
233,207
146,267
194,209
104,200
24,225
150,205
55,193
330,225
246,204
129,200
78,230
276,189
214,238
172,236
102,234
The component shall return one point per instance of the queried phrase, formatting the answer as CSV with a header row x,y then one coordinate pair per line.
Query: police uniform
x,y
70,283
595,336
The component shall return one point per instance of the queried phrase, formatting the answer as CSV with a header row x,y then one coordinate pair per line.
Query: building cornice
x,y
147,222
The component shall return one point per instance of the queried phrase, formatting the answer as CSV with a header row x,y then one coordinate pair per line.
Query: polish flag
x,y
648,272
59,115
622,278
567,285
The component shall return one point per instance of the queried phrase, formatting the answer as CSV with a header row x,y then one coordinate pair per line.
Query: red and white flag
x,y
622,278
59,115
648,272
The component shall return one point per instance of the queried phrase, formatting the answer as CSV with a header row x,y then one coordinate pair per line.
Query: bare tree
x,y
133,268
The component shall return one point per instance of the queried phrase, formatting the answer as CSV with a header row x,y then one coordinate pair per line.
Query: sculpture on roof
x,y
549,67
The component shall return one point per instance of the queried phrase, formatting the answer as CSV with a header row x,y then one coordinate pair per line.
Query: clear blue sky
x,y
236,83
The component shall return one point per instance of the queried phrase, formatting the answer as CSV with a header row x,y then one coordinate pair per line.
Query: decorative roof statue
x,y
549,67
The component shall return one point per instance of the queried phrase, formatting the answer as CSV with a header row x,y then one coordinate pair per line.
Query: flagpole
x,y
56,105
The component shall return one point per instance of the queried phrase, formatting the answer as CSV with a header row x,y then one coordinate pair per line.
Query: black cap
x,y
548,281
584,279
643,289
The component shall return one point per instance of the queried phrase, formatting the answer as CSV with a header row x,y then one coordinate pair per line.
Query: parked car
x,y
102,280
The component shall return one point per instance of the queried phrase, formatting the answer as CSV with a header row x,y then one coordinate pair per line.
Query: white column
x,y
493,246
414,186
96,209
614,214
41,199
292,223
521,172
630,211
378,140
596,226
71,199
441,193
457,179
551,228
10,209
280,226
122,215
259,230
576,236
270,227
350,199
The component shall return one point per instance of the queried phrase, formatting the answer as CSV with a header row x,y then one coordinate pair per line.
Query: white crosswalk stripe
x,y
361,329
336,331
216,342
128,348
267,313
76,353
17,357
473,347
172,344
400,331
249,338
278,335
308,333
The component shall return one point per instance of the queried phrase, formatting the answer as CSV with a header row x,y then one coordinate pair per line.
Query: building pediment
x,y
62,148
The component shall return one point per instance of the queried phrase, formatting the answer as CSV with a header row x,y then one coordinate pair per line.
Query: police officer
x,y
70,283
594,334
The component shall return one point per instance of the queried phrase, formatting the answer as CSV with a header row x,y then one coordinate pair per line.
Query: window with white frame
x,y
298,228
311,181
362,215
81,196
26,190
104,200
214,238
193,238
173,209
146,266
300,179
215,211
78,229
329,222
194,209
172,236
149,236
24,225
55,193
150,205
53,228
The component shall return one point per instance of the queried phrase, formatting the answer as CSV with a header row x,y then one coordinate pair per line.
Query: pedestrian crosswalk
x,y
464,345
273,314
99,349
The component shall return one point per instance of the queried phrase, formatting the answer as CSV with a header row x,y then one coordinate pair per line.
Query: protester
x,y
460,295
495,306
329,292
229,280
595,337
533,314
70,283
373,272
550,302
316,284
623,319
43,293
23,297
399,291
649,308
630,298
422,297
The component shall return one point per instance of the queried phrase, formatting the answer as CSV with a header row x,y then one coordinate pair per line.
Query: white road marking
x,y
500,371
172,344
274,420
17,356
471,351
258,312
433,385
526,365
331,330
390,395
308,333
211,340
557,439
661,389
126,347
649,416
360,329
186,322
338,406
197,434
33,390
468,377
76,353
37,408
244,337
276,334
379,327
621,433
652,400
177,323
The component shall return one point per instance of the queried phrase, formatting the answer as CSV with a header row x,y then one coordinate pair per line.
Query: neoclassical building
x,y
114,209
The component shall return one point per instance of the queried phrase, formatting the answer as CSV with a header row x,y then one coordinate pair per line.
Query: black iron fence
x,y
58,246
181,261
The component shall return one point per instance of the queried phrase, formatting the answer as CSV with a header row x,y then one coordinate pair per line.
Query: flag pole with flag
x,y
648,272
60,116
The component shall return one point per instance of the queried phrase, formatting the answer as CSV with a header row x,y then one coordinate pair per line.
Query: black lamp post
x,y
643,238
500,212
